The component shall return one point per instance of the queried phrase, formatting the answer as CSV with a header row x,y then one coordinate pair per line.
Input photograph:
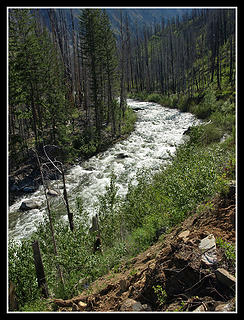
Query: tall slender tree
x,y
98,50
90,44
37,91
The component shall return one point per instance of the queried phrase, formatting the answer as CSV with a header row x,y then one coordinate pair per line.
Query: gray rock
x,y
224,307
95,224
52,193
208,242
131,305
208,245
200,309
146,307
29,205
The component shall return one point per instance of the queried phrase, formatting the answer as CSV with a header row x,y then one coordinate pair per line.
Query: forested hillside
x,y
59,95
184,56
63,84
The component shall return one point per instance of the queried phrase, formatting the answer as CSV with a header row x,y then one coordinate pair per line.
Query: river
x,y
158,131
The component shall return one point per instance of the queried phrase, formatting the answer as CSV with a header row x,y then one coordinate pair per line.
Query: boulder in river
x,y
122,156
29,205
52,193
137,108
187,131
28,189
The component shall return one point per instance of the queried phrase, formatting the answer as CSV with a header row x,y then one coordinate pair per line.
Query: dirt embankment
x,y
174,274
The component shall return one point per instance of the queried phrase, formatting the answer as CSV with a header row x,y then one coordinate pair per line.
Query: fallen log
x,y
63,303
68,302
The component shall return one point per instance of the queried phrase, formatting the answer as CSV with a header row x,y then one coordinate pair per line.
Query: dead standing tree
x,y
61,171
41,279
50,218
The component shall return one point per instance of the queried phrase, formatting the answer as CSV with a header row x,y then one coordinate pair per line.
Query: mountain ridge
x,y
143,16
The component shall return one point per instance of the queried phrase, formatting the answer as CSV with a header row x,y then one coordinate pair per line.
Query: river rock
x,y
187,131
122,156
29,205
138,108
90,168
52,193
28,189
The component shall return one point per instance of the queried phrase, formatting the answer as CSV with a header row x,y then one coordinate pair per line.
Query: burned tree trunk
x,y
40,274
70,214
50,220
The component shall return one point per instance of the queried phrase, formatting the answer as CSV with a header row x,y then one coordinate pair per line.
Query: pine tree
x,y
90,46
110,63
98,49
37,92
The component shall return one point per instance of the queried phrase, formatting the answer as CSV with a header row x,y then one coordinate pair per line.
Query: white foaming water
x,y
157,132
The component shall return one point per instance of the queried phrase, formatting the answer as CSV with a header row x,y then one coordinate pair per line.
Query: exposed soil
x,y
174,264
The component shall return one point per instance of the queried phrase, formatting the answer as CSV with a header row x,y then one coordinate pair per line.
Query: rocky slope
x,y
188,269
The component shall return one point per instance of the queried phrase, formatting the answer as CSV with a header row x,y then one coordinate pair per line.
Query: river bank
x,y
26,179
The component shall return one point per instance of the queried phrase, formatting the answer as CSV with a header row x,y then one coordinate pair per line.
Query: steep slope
x,y
172,275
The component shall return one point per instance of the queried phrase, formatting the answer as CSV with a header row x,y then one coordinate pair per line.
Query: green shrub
x,y
154,97
224,116
207,105
128,122
229,250
161,294
205,134
21,271
183,103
